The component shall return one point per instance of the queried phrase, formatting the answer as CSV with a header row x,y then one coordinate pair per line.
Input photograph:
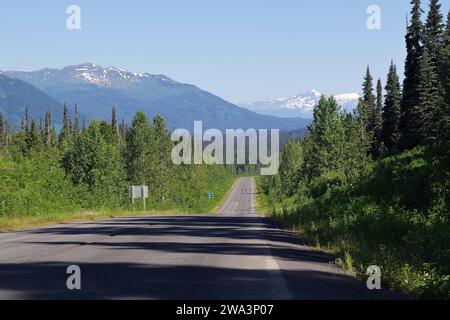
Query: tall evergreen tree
x,y
32,137
367,102
430,100
2,131
445,71
76,125
368,96
391,111
65,134
115,127
26,123
410,122
434,33
371,115
377,122
47,128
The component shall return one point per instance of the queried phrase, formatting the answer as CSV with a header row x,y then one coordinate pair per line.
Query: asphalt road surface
x,y
235,254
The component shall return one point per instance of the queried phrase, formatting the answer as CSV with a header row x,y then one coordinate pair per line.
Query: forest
x,y
83,171
373,187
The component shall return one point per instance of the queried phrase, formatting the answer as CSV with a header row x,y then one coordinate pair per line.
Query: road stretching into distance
x,y
235,254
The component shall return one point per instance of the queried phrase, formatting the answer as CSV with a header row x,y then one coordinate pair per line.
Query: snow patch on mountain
x,y
88,73
301,105
109,77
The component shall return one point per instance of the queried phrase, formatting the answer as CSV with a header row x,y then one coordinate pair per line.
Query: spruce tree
x,y
115,127
410,122
391,111
47,128
76,126
368,96
33,141
377,121
445,71
2,131
65,135
434,33
26,126
430,100
371,115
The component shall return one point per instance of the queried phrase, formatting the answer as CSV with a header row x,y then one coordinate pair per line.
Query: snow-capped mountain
x,y
301,105
96,89
88,73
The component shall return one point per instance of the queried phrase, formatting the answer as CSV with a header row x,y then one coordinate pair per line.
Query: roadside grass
x,y
13,223
376,221
262,201
8,224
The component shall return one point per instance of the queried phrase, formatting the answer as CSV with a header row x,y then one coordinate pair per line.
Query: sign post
x,y
138,192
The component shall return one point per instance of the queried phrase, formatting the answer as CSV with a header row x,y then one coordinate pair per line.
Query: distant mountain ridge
x,y
16,95
301,105
96,89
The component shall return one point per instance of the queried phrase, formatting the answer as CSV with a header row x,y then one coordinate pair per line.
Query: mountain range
x,y
17,95
301,105
96,89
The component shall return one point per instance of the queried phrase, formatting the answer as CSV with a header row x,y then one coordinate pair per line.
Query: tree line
x,y
97,161
416,113
375,184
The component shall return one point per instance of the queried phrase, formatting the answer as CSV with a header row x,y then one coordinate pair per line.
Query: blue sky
x,y
240,50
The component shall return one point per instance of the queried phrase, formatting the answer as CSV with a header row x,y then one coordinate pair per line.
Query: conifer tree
x,y
47,128
391,111
26,123
115,127
371,115
76,126
32,137
445,71
2,131
377,122
366,104
434,33
430,100
65,135
368,96
410,122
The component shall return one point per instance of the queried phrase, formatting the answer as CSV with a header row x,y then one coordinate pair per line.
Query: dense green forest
x,y
84,169
374,186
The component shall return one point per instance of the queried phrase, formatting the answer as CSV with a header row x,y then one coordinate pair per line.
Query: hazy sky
x,y
241,50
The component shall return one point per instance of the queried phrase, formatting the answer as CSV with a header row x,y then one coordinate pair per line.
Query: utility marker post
x,y
138,192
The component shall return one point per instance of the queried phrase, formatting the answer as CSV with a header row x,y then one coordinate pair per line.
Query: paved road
x,y
233,255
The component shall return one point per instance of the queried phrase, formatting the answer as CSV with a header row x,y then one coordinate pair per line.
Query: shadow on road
x,y
239,236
